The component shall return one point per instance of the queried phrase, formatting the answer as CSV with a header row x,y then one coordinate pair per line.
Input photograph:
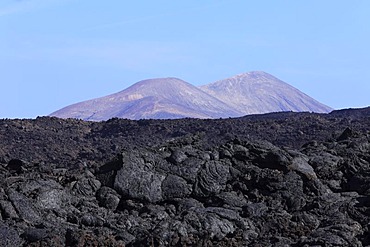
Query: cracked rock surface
x,y
282,179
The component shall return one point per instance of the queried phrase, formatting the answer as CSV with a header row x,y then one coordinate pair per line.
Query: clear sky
x,y
57,52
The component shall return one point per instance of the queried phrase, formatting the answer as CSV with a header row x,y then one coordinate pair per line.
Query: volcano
x,y
259,92
171,98
161,98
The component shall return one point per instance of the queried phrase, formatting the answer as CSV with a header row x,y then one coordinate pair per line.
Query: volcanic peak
x,y
247,93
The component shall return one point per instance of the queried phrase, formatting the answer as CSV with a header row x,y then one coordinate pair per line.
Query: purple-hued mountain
x,y
154,98
168,98
259,92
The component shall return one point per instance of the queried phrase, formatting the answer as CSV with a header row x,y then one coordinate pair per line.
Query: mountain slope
x,y
154,98
169,98
259,92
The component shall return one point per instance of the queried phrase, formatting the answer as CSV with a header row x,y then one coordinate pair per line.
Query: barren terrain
x,y
279,179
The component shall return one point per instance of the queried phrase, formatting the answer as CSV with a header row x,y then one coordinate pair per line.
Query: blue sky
x,y
57,52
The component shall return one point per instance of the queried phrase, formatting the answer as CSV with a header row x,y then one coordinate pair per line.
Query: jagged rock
x,y
300,165
255,209
211,179
9,237
53,199
108,198
138,180
24,206
189,203
188,170
35,234
91,220
177,156
125,237
232,199
187,182
175,187
107,172
7,210
347,133
86,186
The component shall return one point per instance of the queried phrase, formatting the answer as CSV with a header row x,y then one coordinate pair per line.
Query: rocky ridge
x,y
281,179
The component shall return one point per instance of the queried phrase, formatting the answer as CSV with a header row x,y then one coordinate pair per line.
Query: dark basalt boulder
x,y
35,234
174,186
138,179
191,190
253,193
108,198
9,237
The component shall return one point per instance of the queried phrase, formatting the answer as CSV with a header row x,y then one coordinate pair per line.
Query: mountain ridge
x,y
152,98
168,98
272,94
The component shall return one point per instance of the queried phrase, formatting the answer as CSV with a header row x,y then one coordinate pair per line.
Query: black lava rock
x,y
279,179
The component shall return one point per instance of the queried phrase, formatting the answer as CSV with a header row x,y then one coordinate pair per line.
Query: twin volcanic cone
x,y
169,98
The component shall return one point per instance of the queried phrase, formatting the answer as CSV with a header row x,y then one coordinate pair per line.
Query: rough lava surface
x,y
279,179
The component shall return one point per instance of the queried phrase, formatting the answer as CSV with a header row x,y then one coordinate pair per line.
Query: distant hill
x,y
164,98
169,98
259,92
